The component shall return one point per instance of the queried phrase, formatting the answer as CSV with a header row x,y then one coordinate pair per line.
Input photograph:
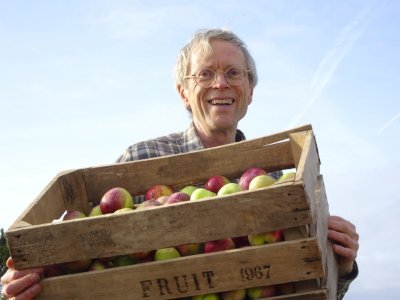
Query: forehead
x,y
219,54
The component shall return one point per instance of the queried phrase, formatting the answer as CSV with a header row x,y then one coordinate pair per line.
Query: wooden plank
x,y
247,212
330,278
47,206
320,294
199,274
189,168
297,142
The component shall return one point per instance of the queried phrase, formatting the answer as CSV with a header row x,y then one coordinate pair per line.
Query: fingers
x,y
21,284
25,287
345,237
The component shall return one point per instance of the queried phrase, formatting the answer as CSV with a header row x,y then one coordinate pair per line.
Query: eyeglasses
x,y
207,77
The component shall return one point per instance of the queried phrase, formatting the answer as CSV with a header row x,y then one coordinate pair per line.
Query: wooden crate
x,y
298,206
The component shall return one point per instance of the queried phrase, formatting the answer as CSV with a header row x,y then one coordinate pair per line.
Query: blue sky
x,y
82,80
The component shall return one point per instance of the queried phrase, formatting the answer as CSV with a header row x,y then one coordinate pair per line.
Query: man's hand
x,y
344,236
21,284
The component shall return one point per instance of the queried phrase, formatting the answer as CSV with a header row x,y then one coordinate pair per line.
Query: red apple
x,y
266,238
190,249
143,256
177,197
219,245
287,288
114,199
73,214
53,270
262,292
274,236
216,182
248,175
241,241
158,190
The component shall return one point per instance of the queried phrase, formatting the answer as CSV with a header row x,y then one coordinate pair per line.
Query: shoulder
x,y
161,146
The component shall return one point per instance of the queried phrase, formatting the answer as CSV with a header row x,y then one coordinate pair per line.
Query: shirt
x,y
188,141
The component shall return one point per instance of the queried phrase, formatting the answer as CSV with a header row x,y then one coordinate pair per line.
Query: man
x,y
215,77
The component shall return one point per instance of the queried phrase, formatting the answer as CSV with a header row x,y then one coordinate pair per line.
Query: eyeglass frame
x,y
195,76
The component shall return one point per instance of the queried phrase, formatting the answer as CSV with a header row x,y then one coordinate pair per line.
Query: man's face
x,y
221,106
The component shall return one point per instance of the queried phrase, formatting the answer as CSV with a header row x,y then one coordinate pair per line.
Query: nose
x,y
220,81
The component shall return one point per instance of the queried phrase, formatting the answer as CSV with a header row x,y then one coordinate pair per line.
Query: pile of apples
x,y
119,200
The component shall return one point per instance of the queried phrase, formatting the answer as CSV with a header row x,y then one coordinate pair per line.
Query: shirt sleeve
x,y
345,281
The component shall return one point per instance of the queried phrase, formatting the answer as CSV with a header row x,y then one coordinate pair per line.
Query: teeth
x,y
221,101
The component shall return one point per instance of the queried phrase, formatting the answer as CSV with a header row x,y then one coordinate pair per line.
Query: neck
x,y
217,137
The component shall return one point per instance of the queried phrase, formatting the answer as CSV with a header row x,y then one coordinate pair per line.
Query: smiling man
x,y
215,77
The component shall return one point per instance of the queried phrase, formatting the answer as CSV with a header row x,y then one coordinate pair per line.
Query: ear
x,y
182,93
250,95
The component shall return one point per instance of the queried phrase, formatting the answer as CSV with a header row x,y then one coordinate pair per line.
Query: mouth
x,y
225,101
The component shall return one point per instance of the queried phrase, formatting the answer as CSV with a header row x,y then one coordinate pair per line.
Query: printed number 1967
x,y
257,272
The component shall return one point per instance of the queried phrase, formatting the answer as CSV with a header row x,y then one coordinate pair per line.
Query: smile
x,y
228,101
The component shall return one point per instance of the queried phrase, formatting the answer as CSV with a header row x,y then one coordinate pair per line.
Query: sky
x,y
80,81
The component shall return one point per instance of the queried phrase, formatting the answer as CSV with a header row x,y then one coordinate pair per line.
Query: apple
x,y
97,265
229,188
216,182
158,190
241,241
52,270
234,295
206,297
287,177
201,193
162,199
188,189
166,253
148,204
266,238
261,181
143,256
77,266
248,175
219,245
123,210
274,236
190,249
123,260
177,197
96,211
287,288
262,292
115,199
73,214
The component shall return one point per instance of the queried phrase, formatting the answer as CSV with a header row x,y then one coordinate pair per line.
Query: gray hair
x,y
203,39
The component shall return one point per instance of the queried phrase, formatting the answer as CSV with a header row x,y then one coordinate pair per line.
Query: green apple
x,y
188,189
261,181
287,177
123,210
201,193
166,253
206,297
229,188
96,211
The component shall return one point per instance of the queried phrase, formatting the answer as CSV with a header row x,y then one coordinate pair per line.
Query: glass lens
x,y
207,77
